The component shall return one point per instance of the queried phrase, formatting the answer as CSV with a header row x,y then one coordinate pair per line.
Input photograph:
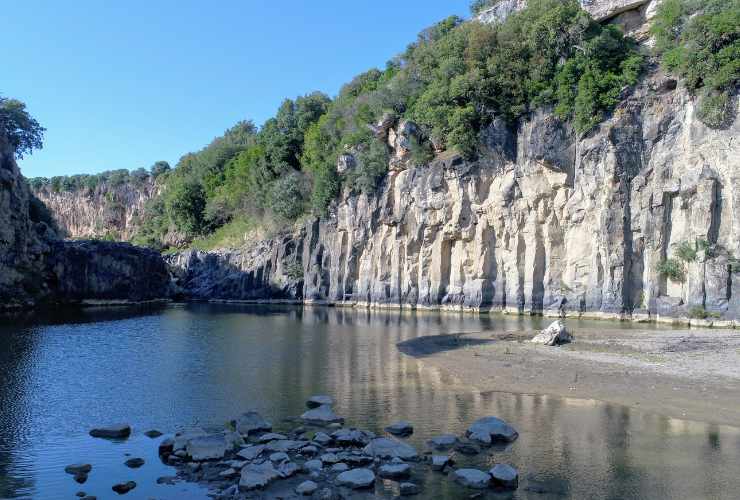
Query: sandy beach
x,y
690,374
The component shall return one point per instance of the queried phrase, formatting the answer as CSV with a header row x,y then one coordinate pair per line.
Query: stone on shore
x,y
316,401
322,438
270,436
251,452
134,463
285,445
401,428
356,478
504,476
390,448
116,431
255,476
394,471
206,447
472,478
123,488
351,437
555,334
78,468
313,466
251,422
321,415
306,488
491,429
339,467
288,469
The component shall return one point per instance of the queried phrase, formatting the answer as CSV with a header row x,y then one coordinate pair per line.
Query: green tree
x,y
184,203
22,131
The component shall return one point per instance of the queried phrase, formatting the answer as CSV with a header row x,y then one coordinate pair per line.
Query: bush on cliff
x,y
700,42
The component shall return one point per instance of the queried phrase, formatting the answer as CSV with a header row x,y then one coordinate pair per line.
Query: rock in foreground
x,y
491,429
356,478
117,431
504,476
555,334
472,478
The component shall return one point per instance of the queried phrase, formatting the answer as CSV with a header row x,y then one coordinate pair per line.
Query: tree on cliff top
x,y
22,130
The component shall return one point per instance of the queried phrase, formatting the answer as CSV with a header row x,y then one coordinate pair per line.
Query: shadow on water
x,y
172,367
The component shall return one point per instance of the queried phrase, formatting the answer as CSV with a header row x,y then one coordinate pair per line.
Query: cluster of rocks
x,y
322,458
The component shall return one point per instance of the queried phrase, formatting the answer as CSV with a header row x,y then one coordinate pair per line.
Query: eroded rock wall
x,y
107,211
544,222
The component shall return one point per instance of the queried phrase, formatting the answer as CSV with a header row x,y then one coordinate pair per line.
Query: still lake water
x,y
204,364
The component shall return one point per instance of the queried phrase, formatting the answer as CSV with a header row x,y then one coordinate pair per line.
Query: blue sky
x,y
124,84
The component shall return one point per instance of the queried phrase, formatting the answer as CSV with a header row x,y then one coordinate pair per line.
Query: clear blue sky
x,y
124,84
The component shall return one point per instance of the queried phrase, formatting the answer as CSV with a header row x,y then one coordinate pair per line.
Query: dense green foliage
x,y
673,270
451,83
22,130
110,179
699,40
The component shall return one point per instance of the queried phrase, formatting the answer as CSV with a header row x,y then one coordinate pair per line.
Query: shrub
x,y
700,41
294,271
698,312
686,252
287,196
673,270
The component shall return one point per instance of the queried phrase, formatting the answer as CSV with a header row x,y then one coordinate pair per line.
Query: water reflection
x,y
172,367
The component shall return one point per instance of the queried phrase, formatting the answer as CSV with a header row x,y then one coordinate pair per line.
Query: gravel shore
x,y
691,374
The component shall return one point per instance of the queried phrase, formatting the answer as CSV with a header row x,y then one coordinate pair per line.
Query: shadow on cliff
x,y
421,347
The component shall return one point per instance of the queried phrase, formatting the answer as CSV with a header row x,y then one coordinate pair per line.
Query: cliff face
x,y
24,238
544,222
36,267
109,210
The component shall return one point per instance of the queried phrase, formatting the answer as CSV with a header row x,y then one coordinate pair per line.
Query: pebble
x,y
123,488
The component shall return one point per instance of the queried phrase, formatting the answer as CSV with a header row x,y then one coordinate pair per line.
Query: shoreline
x,y
685,374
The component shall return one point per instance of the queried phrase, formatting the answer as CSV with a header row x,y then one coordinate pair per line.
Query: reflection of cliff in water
x,y
205,364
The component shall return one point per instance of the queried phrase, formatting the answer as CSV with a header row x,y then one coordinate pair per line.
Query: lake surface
x,y
173,367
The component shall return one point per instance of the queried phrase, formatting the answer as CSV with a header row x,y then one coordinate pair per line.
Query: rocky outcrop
x,y
36,267
544,221
631,15
110,210
25,236
89,271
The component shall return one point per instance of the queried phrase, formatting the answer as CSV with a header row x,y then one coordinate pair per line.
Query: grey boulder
x,y
255,476
504,476
491,429
356,478
408,489
390,448
321,415
472,478
401,428
443,442
394,471
206,447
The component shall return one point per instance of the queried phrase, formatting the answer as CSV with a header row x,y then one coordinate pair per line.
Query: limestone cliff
x,y
544,222
109,210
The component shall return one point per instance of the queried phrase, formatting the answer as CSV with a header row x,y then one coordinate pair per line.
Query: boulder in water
x,y
472,478
504,476
401,428
356,478
116,431
491,429
316,401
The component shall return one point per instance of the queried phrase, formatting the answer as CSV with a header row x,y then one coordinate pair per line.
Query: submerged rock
x,y
356,478
316,401
78,468
123,488
439,462
555,334
153,434
443,442
504,476
472,478
116,431
394,471
491,429
408,489
401,428
134,463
